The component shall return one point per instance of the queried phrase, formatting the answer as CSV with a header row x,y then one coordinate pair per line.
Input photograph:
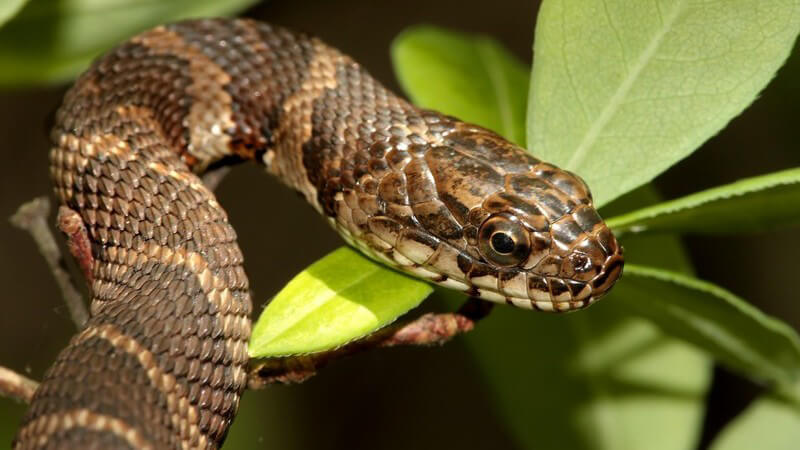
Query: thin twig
x,y
32,217
427,330
16,386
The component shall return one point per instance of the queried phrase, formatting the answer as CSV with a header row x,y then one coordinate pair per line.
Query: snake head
x,y
541,227
509,228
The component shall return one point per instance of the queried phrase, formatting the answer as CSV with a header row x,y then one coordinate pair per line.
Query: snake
x,y
161,363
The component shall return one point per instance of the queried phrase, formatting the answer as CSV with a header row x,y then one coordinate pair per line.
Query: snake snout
x,y
587,271
611,266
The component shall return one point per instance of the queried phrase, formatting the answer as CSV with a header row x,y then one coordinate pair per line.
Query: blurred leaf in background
x,y
484,81
51,41
9,8
770,423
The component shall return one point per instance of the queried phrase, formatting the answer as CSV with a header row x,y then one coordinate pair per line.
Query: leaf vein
x,y
625,86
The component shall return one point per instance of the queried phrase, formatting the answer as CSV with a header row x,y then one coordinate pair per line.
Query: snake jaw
x,y
558,289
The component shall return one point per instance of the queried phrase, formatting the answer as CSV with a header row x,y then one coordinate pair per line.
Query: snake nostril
x,y
580,262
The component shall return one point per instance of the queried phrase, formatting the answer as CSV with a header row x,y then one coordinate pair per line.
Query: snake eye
x,y
504,241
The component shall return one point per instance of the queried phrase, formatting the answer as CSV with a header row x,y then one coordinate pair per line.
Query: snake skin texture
x,y
161,363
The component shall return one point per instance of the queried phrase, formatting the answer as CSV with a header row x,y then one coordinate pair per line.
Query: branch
x,y
32,217
16,386
427,330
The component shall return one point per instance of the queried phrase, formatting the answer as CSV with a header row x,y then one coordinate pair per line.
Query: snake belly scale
x,y
161,363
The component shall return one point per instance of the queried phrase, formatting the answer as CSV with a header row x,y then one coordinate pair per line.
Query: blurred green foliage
x,y
50,41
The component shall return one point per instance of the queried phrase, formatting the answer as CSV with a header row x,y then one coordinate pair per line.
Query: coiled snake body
x,y
161,363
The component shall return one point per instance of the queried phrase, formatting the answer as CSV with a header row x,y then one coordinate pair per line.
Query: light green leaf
x,y
339,298
622,90
727,327
753,204
54,40
770,423
471,76
9,8
657,250
597,379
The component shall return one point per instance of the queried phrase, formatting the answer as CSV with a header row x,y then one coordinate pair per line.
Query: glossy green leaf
x,y
9,8
771,423
736,333
753,204
53,40
339,298
597,379
621,90
471,76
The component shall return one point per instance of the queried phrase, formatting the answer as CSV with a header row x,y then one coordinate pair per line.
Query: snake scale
x,y
162,361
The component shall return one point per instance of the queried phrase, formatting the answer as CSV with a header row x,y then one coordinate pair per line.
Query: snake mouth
x,y
611,272
520,288
530,290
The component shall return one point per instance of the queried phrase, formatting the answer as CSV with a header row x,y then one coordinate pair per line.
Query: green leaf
x,y
597,379
771,422
339,298
753,204
733,331
657,250
54,40
471,76
9,8
622,90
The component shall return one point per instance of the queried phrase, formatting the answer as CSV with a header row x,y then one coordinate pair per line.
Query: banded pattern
x,y
161,361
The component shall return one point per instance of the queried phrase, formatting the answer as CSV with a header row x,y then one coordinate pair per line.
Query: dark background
x,y
420,398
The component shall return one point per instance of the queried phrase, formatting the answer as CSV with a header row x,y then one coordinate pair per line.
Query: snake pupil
x,y
502,243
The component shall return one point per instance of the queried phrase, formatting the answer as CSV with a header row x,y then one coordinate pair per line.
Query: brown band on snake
x,y
161,362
